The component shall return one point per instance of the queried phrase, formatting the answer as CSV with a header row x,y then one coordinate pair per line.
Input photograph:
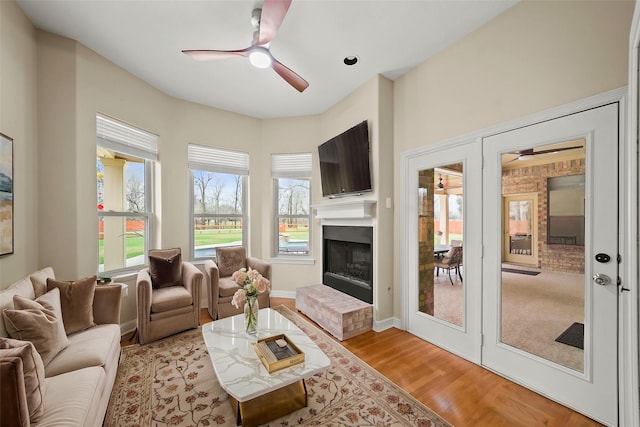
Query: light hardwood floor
x,y
461,392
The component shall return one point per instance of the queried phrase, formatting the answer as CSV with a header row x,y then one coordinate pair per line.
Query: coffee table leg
x,y
270,406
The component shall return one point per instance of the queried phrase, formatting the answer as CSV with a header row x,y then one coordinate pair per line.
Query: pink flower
x,y
253,275
239,298
251,283
240,276
262,284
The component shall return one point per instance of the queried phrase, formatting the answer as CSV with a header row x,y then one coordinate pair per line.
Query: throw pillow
x,y
165,267
38,321
230,260
76,300
32,370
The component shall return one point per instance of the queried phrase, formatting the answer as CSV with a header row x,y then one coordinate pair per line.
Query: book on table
x,y
278,352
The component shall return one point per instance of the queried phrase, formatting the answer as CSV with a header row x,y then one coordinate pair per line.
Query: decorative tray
x,y
278,352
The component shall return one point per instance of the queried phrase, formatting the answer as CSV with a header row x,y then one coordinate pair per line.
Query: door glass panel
x,y
440,242
543,258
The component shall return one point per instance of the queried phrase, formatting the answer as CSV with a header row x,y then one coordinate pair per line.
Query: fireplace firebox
x,y
347,260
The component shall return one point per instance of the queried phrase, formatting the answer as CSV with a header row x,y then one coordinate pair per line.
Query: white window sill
x,y
292,260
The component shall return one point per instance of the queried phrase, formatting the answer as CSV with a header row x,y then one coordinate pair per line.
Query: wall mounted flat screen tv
x,y
344,162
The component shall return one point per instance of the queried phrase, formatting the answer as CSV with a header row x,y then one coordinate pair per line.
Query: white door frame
x,y
628,236
629,269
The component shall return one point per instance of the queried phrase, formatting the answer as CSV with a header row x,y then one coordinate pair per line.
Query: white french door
x,y
444,206
577,245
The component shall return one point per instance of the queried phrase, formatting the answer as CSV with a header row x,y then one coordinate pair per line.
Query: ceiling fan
x,y
266,22
528,153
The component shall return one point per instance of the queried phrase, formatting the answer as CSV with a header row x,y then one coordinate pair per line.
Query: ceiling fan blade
x,y
207,55
289,75
273,13
557,150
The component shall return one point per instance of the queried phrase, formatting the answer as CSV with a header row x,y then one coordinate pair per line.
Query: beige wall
x,y
75,83
18,112
535,56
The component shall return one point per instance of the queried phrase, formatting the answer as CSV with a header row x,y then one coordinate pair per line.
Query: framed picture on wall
x,y
6,195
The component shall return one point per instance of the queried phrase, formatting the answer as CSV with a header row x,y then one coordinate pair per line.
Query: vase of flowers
x,y
251,283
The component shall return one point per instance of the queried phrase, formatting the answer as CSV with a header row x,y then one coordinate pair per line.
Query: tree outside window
x,y
293,215
218,211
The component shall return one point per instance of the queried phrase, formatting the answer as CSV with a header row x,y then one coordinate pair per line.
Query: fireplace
x,y
347,260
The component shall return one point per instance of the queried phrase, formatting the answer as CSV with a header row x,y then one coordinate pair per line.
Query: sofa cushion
x,y
227,287
22,287
231,259
38,321
165,267
91,347
76,301
32,370
170,298
73,399
39,280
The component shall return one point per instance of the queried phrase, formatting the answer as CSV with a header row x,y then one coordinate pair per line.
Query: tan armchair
x,y
168,296
221,287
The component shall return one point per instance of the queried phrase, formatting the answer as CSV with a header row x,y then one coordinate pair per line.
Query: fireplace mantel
x,y
352,209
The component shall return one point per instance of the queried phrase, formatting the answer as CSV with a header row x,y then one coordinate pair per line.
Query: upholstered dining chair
x,y
167,295
451,261
221,287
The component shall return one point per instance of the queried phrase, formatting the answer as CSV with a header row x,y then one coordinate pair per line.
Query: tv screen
x,y
344,162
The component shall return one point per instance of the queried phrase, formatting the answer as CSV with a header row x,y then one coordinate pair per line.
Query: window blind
x,y
291,165
217,160
126,139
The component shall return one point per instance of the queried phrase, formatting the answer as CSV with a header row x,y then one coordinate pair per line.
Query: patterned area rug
x,y
171,382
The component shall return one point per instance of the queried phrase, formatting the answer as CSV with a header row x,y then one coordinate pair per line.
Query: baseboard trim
x,y
381,325
283,294
127,327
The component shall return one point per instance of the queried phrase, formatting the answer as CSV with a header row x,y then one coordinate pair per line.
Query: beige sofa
x,y
75,385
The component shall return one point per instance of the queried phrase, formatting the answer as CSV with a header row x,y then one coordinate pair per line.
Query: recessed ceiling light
x,y
350,60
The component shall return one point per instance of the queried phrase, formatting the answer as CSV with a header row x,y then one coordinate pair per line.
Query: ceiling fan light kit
x,y
266,21
259,57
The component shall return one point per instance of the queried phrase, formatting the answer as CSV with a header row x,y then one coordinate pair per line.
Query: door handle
x,y
601,279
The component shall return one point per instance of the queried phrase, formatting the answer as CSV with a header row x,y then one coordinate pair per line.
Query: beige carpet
x,y
171,382
535,311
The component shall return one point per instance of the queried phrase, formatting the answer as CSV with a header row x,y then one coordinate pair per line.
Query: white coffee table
x,y
257,396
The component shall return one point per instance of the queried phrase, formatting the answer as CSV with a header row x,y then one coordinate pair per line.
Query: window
x,y
124,164
292,189
219,197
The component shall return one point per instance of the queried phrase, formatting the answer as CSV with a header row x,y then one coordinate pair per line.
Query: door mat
x,y
573,336
527,272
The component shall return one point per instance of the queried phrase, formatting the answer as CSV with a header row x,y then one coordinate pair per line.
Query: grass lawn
x,y
135,245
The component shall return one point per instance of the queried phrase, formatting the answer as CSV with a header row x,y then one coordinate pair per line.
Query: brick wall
x,y
533,179
425,242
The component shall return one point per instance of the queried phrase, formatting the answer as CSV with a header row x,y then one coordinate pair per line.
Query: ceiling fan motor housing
x,y
255,18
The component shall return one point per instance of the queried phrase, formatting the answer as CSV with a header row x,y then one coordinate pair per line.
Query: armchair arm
x,y
13,405
213,292
192,280
106,304
143,302
262,266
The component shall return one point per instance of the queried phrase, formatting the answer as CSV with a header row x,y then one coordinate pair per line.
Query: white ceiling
x,y
145,37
